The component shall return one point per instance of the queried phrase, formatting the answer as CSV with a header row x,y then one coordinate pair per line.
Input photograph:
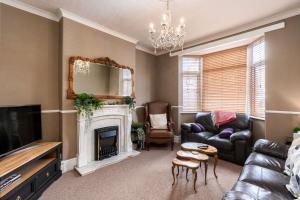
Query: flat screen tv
x,y
19,127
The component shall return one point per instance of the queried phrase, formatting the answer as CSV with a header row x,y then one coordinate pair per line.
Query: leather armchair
x,y
234,149
159,136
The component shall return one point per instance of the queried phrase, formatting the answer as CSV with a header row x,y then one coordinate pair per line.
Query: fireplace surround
x,y
110,115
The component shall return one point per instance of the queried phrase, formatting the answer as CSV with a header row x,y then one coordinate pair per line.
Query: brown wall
x,y
29,64
167,84
145,89
282,79
81,40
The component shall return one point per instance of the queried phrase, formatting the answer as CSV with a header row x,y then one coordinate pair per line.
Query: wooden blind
x,y
257,78
224,80
191,68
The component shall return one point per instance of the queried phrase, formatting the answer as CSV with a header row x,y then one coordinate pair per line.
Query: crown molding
x,y
144,49
31,9
95,25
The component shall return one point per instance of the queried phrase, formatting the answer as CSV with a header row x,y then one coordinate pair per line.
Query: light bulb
x,y
164,17
151,25
181,20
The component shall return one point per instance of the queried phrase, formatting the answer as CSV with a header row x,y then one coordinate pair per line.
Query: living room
x,y
166,100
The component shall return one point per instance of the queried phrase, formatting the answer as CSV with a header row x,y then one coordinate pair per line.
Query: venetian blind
x,y
257,78
224,80
191,83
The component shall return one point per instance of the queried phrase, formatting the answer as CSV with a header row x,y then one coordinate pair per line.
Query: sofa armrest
x,y
271,148
186,127
241,135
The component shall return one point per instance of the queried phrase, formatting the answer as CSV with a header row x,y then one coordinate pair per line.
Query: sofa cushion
x,y
220,143
265,161
265,178
197,128
257,192
241,122
205,119
226,133
271,148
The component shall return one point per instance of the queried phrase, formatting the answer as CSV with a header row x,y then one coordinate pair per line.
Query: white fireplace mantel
x,y
109,115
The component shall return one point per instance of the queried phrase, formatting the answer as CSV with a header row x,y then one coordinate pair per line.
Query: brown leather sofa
x,y
262,176
159,136
235,149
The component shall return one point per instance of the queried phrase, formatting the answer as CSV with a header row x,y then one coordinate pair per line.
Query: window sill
x,y
257,118
189,112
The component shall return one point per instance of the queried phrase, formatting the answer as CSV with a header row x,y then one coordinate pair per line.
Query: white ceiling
x,y
203,17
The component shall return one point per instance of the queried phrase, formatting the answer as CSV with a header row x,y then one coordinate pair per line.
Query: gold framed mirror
x,y
103,77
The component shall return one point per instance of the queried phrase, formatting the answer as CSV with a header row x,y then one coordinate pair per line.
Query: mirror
x,y
102,77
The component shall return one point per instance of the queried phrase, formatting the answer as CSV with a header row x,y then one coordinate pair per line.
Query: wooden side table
x,y
194,156
210,151
188,164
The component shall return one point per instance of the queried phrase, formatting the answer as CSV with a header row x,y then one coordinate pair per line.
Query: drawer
x,y
46,174
23,193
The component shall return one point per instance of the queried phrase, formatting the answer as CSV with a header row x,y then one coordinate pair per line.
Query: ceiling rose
x,y
167,37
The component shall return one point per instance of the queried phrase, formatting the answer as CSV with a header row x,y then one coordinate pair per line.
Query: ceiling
x,y
203,17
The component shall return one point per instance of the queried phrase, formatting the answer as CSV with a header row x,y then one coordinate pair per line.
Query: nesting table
x,y
191,157
210,151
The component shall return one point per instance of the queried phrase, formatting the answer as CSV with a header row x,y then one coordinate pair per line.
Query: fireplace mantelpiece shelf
x,y
109,115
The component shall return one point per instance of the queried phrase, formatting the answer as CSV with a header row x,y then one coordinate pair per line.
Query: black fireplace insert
x,y
106,142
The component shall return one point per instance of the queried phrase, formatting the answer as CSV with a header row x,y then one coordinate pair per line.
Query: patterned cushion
x,y
294,184
293,156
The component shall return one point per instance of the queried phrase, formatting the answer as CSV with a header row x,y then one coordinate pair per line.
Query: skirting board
x,y
68,165
177,139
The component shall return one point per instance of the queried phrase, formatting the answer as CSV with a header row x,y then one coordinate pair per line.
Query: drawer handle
x,y
19,198
47,174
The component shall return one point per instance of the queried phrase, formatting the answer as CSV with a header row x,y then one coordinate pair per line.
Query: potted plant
x,y
296,132
138,134
129,101
86,104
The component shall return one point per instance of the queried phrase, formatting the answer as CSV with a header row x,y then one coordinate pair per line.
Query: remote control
x,y
9,180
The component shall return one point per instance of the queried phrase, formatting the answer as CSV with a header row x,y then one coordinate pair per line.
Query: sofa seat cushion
x,y
258,192
220,143
160,133
265,178
200,137
265,161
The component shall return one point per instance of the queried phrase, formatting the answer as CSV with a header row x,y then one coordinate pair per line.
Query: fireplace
x,y
106,142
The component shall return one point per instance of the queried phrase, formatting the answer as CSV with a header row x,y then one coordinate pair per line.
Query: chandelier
x,y
167,37
81,66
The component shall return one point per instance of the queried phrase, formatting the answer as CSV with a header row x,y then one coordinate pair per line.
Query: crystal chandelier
x,y
168,37
81,66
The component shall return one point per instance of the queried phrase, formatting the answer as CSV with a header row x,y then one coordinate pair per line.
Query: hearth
x,y
106,142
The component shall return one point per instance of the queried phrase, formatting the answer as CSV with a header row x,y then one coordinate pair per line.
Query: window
x,y
191,83
224,80
257,78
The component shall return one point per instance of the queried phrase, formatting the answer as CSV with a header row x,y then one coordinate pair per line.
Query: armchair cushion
x,y
271,148
160,133
241,135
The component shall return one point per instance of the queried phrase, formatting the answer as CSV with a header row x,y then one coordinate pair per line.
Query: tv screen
x,y
19,126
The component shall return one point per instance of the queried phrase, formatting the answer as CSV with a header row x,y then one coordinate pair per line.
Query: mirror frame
x,y
103,61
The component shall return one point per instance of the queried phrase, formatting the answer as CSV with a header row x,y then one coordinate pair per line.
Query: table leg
x,y
186,174
173,167
205,174
177,171
195,179
215,164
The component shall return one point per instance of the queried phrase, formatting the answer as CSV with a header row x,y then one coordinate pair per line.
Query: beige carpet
x,y
146,176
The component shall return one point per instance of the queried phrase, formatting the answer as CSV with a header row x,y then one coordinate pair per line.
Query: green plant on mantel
x,y
296,129
129,101
86,104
